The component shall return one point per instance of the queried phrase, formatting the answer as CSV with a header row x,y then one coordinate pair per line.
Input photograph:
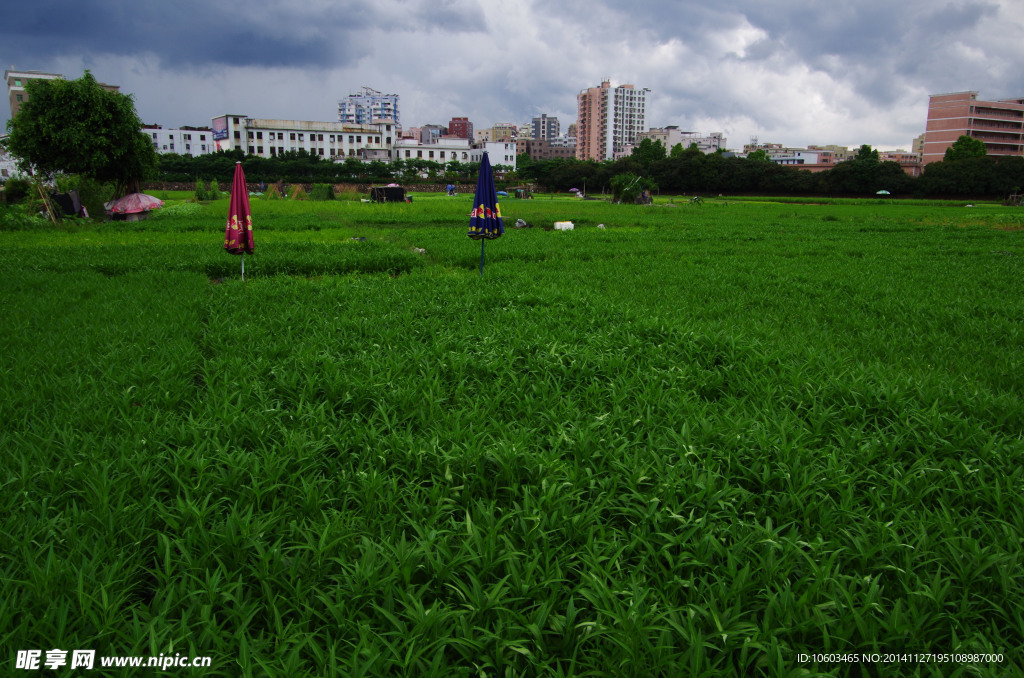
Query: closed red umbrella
x,y
238,234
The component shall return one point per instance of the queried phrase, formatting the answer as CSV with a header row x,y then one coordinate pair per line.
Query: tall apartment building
x,y
17,80
609,121
999,124
544,127
367,106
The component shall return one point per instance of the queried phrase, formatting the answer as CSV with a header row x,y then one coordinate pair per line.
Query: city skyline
x,y
844,73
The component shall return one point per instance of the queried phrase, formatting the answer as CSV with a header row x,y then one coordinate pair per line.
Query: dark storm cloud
x,y
193,33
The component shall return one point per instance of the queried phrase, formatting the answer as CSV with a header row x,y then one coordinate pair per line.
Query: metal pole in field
x,y
243,267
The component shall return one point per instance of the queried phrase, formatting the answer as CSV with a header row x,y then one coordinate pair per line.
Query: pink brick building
x,y
1000,124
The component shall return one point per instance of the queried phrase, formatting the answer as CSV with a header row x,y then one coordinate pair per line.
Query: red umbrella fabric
x,y
133,203
238,233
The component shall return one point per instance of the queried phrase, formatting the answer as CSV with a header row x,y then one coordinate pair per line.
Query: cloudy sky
x,y
796,72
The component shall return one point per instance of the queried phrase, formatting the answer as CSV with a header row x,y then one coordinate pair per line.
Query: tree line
x,y
302,167
965,172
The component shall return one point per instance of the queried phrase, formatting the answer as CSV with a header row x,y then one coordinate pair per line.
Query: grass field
x,y
703,440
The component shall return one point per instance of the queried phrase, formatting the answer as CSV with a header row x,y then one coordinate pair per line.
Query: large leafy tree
x,y
79,127
648,151
965,147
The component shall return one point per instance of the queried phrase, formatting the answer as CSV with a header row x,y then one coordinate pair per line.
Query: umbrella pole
x,y
243,267
482,242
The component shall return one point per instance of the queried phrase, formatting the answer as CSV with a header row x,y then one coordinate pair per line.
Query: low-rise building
x,y
671,136
502,131
191,141
448,149
269,138
546,149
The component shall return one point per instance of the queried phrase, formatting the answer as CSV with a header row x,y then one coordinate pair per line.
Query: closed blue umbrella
x,y
485,220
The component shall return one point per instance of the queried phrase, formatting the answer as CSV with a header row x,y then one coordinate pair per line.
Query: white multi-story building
x,y
334,140
609,121
672,136
190,141
447,149
367,107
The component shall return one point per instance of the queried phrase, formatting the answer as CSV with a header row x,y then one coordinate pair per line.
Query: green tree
x,y
966,147
648,151
78,127
866,153
760,155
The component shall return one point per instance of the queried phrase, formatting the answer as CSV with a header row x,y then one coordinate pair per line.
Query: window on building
x,y
204,148
431,154
188,147
408,153
321,150
319,137
259,135
280,149
202,137
332,138
419,154
17,83
301,137
165,147
238,135
236,120
293,136
252,150
351,139
154,135
250,135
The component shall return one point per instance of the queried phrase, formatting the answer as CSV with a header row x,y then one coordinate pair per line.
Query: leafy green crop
x,y
699,441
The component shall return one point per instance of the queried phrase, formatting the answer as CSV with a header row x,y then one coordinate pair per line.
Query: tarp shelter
x,y
69,202
387,194
133,207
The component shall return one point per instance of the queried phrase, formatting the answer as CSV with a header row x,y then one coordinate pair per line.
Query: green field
x,y
700,441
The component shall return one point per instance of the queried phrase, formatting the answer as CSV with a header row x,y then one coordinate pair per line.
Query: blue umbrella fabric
x,y
485,220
